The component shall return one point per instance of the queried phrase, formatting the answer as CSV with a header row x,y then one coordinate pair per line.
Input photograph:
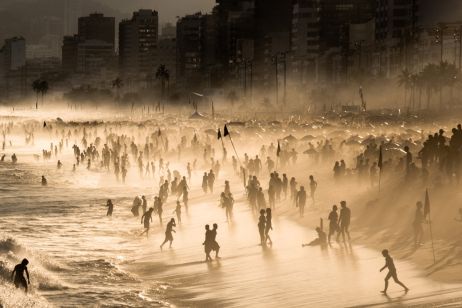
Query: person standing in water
x,y
147,218
168,233
18,275
110,207
391,271
44,181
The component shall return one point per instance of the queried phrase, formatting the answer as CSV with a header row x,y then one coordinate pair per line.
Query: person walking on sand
x,y
391,271
19,279
207,243
262,226
313,187
268,226
213,241
417,224
146,219
333,222
168,233
300,200
344,221
177,211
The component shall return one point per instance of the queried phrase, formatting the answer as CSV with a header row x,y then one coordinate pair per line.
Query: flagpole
x,y
380,165
226,133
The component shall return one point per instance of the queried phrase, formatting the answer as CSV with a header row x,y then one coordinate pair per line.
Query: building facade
x,y
138,39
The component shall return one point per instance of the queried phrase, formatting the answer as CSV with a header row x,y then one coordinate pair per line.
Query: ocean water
x,y
81,258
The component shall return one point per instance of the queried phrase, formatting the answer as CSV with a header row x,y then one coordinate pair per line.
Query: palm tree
x,y
430,81
163,74
40,87
36,87
404,80
447,76
44,88
118,84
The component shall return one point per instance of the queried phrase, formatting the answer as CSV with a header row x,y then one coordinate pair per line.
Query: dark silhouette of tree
x,y
40,87
117,84
163,74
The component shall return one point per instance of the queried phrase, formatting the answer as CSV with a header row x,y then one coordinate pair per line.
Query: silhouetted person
x,y
44,181
268,226
110,207
207,243
391,271
18,275
136,206
144,204
14,158
177,211
214,243
262,226
320,240
205,182
300,200
146,219
417,224
313,187
168,233
333,222
344,221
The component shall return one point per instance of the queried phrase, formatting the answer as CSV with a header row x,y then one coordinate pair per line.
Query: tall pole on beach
x,y
380,165
226,133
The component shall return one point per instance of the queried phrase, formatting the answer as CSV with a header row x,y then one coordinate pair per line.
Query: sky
x,y
168,9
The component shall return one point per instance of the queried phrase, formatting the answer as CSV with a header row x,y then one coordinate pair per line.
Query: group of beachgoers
x,y
121,152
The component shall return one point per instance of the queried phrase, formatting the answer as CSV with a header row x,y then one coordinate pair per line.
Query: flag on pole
x,y
427,205
380,163
225,131
219,134
278,152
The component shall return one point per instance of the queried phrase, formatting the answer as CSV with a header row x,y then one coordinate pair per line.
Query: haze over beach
x,y
232,153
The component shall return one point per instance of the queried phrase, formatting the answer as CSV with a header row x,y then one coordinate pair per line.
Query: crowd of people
x,y
147,155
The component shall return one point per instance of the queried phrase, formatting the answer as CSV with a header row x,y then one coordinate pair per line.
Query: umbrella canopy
x,y
308,138
290,138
